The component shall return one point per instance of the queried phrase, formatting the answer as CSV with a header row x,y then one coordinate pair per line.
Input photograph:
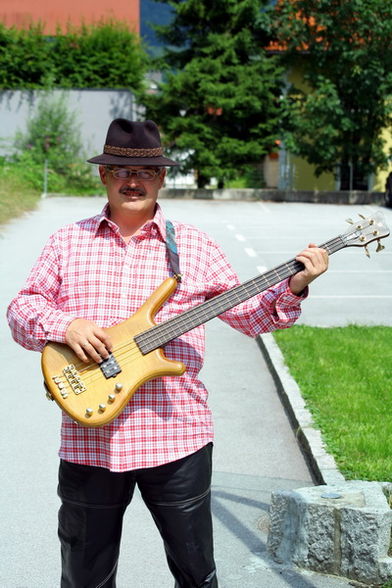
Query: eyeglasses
x,y
122,173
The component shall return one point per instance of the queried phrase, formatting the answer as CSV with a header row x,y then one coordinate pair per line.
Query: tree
x,y
218,101
344,49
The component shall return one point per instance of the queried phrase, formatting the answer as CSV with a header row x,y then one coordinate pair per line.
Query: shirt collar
x,y
158,222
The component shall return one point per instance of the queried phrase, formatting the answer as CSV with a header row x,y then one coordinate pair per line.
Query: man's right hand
x,y
88,341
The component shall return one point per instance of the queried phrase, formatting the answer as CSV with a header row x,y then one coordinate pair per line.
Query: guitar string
x,y
117,351
213,304
149,336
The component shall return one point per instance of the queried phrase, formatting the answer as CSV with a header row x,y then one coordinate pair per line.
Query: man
x,y
94,274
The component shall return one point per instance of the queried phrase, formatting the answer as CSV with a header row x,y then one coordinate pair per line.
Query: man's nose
x,y
133,180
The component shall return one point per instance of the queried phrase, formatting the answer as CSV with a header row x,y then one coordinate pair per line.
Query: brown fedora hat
x,y
132,143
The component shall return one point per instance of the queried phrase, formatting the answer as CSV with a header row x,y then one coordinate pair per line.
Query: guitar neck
x,y
161,334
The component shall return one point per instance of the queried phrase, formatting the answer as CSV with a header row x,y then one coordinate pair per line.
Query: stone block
x,y
343,530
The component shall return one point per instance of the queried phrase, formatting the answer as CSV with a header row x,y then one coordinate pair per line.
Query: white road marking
x,y
264,207
251,252
351,296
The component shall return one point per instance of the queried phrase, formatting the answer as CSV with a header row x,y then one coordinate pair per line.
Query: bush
x,y
103,55
49,154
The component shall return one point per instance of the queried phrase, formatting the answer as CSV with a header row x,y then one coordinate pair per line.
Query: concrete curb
x,y
350,522
275,195
321,463
263,195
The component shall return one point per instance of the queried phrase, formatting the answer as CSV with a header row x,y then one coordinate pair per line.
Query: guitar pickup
x,y
110,367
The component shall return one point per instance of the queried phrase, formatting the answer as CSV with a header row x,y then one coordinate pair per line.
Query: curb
x,y
322,465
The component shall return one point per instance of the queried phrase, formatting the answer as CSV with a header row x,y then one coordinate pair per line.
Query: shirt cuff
x,y
287,297
58,327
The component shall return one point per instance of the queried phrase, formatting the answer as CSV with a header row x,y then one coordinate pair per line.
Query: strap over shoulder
x,y
172,251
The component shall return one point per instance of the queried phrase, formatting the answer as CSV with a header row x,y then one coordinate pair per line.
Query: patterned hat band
x,y
127,152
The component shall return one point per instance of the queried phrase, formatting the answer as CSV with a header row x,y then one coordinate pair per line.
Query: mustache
x,y
129,190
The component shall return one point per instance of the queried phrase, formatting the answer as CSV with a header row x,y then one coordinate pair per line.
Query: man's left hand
x,y
315,261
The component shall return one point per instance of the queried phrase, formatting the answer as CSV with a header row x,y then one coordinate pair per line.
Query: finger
x,y
315,254
307,262
100,347
315,262
91,351
105,339
79,352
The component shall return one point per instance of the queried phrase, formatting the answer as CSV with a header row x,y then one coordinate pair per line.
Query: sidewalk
x,y
255,452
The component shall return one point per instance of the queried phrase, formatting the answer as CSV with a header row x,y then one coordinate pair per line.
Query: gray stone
x,y
343,530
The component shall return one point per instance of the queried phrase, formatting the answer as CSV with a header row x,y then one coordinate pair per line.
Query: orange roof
x,y
22,13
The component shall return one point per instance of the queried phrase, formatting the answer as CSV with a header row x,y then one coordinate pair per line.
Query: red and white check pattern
x,y
87,270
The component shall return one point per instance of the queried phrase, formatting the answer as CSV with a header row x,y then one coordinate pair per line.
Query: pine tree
x,y
218,104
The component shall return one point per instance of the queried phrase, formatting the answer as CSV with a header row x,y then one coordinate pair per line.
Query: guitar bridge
x,y
110,367
74,380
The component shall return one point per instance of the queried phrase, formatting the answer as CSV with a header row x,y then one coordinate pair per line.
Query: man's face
x,y
132,193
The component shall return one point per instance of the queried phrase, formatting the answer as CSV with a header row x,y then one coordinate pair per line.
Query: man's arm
x,y
279,306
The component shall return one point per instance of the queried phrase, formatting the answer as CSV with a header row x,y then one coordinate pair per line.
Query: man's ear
x,y
102,174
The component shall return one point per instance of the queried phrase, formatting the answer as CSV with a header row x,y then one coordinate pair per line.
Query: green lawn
x,y
16,196
345,375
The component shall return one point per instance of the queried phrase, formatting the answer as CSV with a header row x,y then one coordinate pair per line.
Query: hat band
x,y
111,150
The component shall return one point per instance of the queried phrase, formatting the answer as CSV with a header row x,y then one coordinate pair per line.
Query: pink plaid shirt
x,y
87,270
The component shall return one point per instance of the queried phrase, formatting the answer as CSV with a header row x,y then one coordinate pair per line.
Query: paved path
x,y
255,449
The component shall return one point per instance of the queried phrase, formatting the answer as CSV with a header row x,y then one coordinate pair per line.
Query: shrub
x,y
49,153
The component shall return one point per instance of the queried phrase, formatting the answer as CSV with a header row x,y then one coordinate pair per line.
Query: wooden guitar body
x,y
84,392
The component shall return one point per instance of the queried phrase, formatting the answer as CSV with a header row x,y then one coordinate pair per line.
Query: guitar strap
x,y
171,247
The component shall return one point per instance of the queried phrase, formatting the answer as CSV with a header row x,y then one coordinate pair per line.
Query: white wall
x,y
94,109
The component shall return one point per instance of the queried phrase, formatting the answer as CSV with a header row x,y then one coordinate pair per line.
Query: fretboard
x,y
161,334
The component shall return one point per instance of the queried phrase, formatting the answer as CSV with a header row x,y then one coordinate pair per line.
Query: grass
x,y
16,196
21,187
345,375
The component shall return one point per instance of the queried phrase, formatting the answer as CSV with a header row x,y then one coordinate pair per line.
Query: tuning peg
x,y
361,215
349,221
367,251
379,246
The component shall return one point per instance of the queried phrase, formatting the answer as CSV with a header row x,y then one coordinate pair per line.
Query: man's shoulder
x,y
80,225
83,227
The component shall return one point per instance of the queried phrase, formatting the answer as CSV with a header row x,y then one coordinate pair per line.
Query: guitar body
x,y
84,392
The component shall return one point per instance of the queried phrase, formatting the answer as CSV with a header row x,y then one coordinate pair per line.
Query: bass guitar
x,y
95,394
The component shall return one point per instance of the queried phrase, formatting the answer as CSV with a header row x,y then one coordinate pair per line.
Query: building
x,y
54,15
140,14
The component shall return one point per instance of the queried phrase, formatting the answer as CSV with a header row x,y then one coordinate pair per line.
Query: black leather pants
x,y
94,501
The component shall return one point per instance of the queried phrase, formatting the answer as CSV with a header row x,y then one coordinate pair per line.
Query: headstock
x,y
366,230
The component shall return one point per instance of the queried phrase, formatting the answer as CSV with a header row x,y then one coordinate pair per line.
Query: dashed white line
x,y
240,237
264,207
251,252
362,296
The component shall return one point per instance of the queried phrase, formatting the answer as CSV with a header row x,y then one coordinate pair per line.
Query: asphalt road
x,y
260,236
255,449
